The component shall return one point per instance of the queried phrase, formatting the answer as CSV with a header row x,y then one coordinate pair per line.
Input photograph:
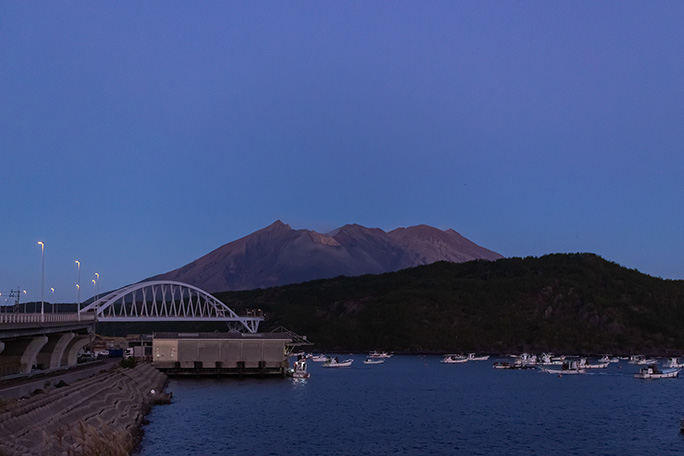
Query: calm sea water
x,y
416,406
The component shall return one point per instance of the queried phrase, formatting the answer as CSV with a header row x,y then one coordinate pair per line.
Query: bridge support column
x,y
2,346
51,353
70,357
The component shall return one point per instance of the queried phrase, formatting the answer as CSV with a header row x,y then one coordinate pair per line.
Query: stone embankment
x,y
98,415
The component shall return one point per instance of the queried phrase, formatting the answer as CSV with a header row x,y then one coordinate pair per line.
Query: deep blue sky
x,y
139,136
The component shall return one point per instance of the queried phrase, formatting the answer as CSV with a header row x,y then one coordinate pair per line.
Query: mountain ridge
x,y
279,255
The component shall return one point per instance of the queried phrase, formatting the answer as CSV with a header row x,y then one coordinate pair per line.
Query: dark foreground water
x,y
416,406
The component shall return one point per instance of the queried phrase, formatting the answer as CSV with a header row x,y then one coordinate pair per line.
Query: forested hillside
x,y
565,303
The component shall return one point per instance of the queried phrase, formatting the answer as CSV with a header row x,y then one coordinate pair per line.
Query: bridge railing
x,y
45,318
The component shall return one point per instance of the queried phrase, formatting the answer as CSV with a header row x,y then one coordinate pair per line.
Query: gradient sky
x,y
138,136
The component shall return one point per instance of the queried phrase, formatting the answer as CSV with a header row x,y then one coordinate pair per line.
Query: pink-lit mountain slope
x,y
279,255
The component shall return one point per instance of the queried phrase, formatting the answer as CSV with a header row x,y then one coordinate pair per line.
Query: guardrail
x,y
45,318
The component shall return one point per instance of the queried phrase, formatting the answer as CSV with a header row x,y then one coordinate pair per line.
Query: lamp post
x,y
42,281
52,300
78,289
97,285
94,290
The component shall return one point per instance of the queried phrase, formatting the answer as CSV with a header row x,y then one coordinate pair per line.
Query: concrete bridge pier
x,y
50,355
70,356
20,355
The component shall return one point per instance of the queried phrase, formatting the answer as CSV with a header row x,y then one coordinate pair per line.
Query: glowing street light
x,y
94,289
78,289
53,299
97,285
42,281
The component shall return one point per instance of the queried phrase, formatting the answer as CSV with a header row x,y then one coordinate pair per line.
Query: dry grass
x,y
87,440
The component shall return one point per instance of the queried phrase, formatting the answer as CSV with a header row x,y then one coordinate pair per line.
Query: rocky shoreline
x,y
101,414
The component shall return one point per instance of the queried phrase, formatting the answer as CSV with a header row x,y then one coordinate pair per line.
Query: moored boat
x,y
674,363
335,362
298,370
373,361
454,359
319,358
584,364
377,354
568,367
652,371
474,357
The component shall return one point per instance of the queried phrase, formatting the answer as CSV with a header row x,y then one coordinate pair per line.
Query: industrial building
x,y
231,353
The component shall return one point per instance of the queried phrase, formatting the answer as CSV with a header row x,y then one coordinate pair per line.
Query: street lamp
x,y
94,290
42,281
97,285
78,288
53,299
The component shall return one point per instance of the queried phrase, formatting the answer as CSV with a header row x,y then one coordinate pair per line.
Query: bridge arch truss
x,y
164,300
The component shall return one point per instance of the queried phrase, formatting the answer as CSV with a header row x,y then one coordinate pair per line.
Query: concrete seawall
x,y
104,409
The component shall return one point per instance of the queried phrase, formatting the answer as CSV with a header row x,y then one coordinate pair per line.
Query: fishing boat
x,y
652,371
608,359
514,365
335,362
454,359
299,369
373,361
674,363
584,364
377,354
568,367
319,358
474,357
641,359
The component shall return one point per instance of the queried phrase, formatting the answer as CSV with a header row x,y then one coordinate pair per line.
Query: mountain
x,y
278,255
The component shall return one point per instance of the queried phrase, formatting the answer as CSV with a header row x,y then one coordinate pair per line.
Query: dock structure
x,y
223,354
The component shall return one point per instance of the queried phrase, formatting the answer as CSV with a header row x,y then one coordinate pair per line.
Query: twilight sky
x,y
136,137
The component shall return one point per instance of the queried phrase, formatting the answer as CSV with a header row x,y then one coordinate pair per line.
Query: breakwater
x,y
105,410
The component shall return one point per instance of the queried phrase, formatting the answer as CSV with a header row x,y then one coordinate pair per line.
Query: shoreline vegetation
x,y
561,303
102,414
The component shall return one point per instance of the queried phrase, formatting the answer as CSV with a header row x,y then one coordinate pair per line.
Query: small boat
x,y
454,359
674,363
474,357
335,362
608,359
583,364
319,358
373,361
376,354
652,371
641,359
568,367
514,365
299,369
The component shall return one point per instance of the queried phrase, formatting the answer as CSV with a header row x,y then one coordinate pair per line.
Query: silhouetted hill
x,y
279,255
565,303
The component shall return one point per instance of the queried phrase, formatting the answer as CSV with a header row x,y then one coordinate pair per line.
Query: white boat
x,y
652,371
583,364
641,359
608,359
376,354
373,361
454,359
299,369
319,358
568,367
474,357
335,362
674,363
527,360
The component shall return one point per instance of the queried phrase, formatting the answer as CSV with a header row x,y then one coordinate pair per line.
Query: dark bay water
x,y
414,405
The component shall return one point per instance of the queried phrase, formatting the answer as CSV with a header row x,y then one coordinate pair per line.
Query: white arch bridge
x,y
164,300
